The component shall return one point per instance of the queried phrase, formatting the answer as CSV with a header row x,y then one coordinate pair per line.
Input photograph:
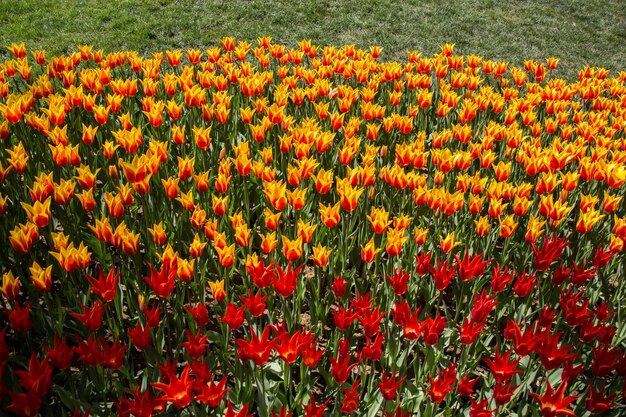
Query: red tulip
x,y
554,403
177,390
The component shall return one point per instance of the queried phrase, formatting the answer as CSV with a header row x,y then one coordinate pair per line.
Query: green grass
x,y
591,32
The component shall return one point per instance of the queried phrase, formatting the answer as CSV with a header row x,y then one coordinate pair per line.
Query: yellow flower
x,y
10,286
448,243
217,289
42,278
369,251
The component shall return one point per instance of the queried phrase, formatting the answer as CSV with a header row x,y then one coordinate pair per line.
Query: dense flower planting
x,y
254,229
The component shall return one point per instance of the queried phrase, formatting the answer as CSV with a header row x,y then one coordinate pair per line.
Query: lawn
x,y
579,32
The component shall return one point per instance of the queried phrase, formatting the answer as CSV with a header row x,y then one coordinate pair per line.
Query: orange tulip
x,y
275,194
292,249
482,226
87,200
369,251
41,278
379,220
268,242
217,290
23,237
349,196
184,269
395,241
420,235
226,255
10,288
586,220
297,198
158,234
242,235
38,213
330,215
71,258
448,243
305,231
508,225
534,229
321,255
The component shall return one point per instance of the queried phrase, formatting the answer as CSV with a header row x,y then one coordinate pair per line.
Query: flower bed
x,y
310,231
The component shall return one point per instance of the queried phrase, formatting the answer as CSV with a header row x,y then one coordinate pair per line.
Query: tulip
x,y
369,251
292,249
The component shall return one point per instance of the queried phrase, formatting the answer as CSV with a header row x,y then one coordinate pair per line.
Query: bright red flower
x,y
502,393
141,405
311,355
257,349
523,343
524,284
104,287
411,325
575,314
195,345
373,351
234,316
469,332
153,316
254,303
422,263
601,258
597,402
470,266
162,282
341,368
554,403
432,328
88,351
287,281
339,287
343,318
482,306
314,410
444,383
113,354
500,279
200,314
551,250
389,385
243,411
582,275
38,377
466,385
501,368
605,360
479,409
399,281
19,318
551,355
561,274
61,355
140,336
350,402
442,274
177,390
24,405
289,346
212,394
370,319
91,317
